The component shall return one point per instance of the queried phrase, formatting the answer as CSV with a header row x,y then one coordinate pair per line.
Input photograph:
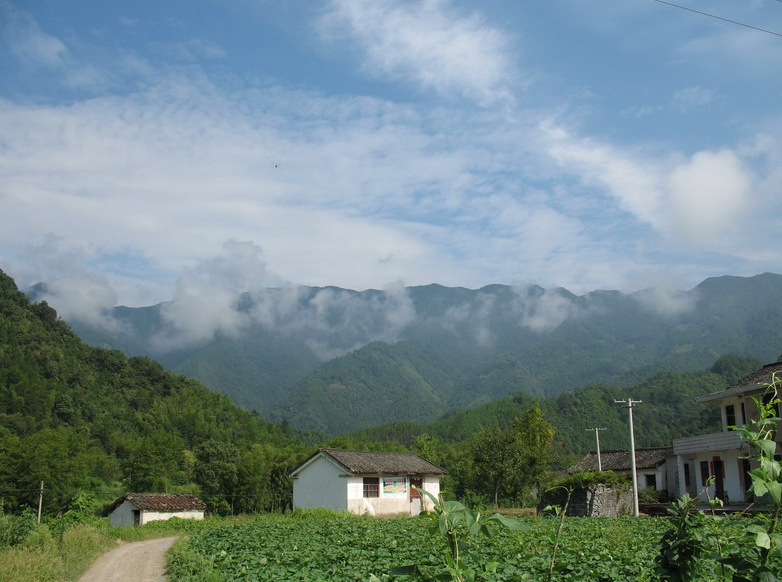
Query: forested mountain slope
x,y
83,418
336,360
667,411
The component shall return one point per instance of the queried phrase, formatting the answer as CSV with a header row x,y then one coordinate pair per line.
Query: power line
x,y
719,17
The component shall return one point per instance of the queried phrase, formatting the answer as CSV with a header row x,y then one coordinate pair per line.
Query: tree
x,y
156,463
509,460
60,457
217,472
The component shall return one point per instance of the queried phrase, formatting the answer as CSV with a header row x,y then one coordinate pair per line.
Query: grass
x,y
59,552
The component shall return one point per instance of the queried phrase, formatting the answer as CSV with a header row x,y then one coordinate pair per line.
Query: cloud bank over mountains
x,y
367,145
230,296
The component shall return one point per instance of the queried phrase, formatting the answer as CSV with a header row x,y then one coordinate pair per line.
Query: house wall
x,y
733,475
124,515
432,486
147,516
390,503
321,484
324,484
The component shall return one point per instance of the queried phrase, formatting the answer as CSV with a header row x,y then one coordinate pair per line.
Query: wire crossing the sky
x,y
719,17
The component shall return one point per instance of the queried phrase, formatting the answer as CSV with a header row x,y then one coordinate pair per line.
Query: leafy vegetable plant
x,y
455,522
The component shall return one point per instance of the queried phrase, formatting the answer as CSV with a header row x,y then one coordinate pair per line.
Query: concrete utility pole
x,y
629,403
40,503
597,439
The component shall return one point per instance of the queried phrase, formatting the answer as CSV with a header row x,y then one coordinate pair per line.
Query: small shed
x,y
366,482
655,467
134,509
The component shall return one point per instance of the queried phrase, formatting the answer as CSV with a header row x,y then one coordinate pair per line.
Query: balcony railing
x,y
718,441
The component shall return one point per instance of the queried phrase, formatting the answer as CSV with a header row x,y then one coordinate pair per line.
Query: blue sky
x,y
147,147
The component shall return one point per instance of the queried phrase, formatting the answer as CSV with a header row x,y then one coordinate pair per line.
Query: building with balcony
x,y
722,455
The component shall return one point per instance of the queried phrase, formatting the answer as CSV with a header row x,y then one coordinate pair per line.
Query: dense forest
x,y
337,361
93,423
668,411
80,418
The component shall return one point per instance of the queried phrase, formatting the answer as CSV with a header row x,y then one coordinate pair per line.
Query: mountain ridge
x,y
336,360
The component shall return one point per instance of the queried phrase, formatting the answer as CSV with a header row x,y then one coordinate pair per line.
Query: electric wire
x,y
719,17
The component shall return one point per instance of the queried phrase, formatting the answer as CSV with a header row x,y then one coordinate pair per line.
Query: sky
x,y
150,148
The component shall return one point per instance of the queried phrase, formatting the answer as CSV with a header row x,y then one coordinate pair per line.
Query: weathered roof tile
x,y
373,462
160,502
619,460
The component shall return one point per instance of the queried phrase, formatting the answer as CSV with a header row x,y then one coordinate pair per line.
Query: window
x,y
686,474
371,486
730,416
651,481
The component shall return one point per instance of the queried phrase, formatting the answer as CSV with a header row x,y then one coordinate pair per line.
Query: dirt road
x,y
135,562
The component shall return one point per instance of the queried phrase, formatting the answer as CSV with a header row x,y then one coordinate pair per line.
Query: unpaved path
x,y
134,562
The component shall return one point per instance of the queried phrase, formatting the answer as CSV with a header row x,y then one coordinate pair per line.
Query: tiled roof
x,y
748,384
160,502
762,376
372,463
649,458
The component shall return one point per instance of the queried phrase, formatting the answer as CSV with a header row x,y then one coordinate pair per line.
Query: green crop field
x,y
340,547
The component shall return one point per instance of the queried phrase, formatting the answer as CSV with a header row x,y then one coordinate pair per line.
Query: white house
x,y
134,509
365,482
722,455
654,466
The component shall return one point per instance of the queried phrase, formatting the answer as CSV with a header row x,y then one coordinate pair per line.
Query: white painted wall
x,y
431,485
124,515
321,484
732,482
147,516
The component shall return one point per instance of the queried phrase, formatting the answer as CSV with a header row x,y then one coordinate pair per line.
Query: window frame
x,y
371,487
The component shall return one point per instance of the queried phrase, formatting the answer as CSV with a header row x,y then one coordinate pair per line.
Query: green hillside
x,y
668,411
81,418
600,338
92,421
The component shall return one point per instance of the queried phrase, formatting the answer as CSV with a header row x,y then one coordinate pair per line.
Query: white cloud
x,y
544,311
633,183
205,299
708,197
78,292
666,299
707,200
428,43
27,42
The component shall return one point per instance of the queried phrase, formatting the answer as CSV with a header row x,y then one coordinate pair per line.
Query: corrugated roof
x,y
160,502
373,462
618,460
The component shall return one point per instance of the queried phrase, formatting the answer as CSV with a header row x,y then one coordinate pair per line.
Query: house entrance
x,y
415,496
719,478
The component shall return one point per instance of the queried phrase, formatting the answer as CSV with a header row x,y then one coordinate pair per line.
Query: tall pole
x,y
630,403
40,503
597,440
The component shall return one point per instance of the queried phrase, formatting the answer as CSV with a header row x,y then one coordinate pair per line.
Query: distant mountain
x,y
336,360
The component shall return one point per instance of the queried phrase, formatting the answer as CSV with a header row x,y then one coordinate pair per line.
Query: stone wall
x,y
592,501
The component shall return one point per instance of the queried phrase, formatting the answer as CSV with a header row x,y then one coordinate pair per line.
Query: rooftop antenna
x,y
597,439
629,404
